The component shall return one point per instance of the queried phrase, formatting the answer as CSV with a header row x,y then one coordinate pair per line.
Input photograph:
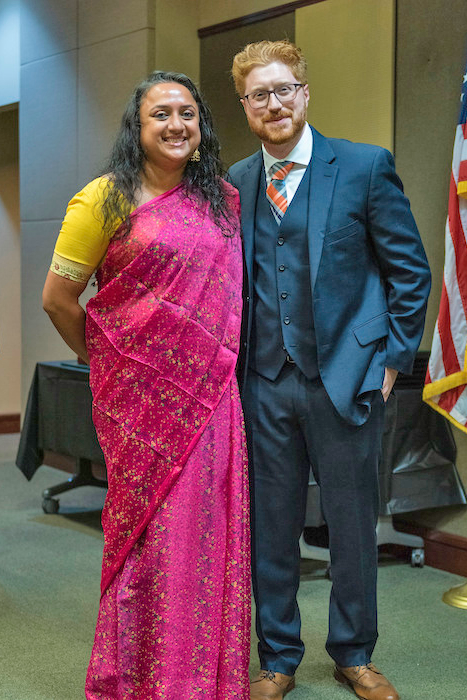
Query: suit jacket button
x,y
286,320
281,268
280,241
284,295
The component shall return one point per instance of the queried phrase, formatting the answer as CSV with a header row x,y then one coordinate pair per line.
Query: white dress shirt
x,y
300,155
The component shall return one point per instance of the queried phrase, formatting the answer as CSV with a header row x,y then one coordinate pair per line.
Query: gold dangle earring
x,y
195,156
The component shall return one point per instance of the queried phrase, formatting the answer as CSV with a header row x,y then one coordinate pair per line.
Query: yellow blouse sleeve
x,y
82,243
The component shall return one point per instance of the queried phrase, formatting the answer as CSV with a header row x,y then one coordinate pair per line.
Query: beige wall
x,y
215,11
177,46
10,298
351,79
177,43
430,62
79,63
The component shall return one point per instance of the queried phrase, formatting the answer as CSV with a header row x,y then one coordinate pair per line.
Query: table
x,y
58,418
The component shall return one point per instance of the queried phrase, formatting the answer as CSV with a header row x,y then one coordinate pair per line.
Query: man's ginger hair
x,y
261,53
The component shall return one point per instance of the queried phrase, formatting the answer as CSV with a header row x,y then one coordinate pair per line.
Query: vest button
x,y
281,268
284,295
280,241
286,320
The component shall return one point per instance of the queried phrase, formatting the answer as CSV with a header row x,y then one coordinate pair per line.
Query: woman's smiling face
x,y
169,125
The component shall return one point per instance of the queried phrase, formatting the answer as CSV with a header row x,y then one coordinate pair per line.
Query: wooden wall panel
x,y
217,53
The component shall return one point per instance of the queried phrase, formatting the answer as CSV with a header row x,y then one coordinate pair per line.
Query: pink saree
x,y
163,335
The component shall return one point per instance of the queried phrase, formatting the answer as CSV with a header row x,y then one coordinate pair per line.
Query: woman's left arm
x,y
60,300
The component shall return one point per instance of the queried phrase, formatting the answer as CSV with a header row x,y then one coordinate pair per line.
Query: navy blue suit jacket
x,y
370,278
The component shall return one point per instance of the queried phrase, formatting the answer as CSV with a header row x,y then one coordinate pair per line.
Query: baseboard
x,y
443,550
10,423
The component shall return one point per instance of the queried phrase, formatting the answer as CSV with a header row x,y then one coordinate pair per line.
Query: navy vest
x,y
282,305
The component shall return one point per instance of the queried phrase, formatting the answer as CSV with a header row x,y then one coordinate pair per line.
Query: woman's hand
x,y
60,300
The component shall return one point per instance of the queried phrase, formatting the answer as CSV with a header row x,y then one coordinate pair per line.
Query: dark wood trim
x,y
9,107
254,17
10,423
443,550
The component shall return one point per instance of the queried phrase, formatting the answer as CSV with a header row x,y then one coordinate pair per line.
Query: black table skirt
x,y
58,417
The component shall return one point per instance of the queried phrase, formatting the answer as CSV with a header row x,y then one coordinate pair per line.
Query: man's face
x,y
275,123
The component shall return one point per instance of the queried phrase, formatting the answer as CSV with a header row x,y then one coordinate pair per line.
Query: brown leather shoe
x,y
271,685
367,682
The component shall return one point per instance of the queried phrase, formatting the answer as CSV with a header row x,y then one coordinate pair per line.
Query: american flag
x,y
446,379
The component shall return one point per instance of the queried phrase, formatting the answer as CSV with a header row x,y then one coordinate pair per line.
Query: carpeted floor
x,y
49,590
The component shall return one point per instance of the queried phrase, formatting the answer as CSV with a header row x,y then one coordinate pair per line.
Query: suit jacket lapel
x,y
249,191
323,178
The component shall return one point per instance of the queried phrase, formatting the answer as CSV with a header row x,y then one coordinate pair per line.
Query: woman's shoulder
x,y
86,205
94,192
82,239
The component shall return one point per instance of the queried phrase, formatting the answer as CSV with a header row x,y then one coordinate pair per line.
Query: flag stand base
x,y
457,596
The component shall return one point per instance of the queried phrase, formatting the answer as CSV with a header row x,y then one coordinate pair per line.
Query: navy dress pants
x,y
292,424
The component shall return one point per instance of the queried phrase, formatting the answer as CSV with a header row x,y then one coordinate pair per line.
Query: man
x,y
337,288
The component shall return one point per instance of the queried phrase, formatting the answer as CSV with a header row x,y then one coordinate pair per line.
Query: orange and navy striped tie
x,y
276,191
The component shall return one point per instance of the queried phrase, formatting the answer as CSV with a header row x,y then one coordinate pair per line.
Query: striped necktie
x,y
276,191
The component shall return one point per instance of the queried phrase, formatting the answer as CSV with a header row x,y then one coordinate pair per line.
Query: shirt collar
x,y
300,154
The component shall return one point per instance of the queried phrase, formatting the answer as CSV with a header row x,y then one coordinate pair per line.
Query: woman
x,y
161,337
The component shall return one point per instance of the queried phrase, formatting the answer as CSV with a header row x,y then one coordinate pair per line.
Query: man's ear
x,y
306,91
243,103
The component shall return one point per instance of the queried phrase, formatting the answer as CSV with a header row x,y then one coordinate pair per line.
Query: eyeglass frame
x,y
270,92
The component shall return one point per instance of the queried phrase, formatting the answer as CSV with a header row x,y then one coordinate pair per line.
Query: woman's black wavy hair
x,y
127,158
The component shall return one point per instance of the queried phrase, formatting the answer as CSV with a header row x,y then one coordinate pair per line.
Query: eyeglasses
x,y
284,93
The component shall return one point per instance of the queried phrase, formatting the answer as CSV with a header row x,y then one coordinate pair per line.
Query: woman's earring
x,y
195,156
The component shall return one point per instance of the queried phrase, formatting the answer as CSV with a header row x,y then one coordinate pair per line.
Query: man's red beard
x,y
268,133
